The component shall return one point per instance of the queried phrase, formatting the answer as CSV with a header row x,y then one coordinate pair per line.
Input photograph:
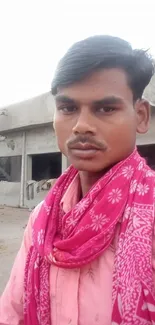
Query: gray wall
x,y
10,192
32,112
38,140
41,140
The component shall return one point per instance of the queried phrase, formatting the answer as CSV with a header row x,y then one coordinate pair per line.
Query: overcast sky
x,y
34,34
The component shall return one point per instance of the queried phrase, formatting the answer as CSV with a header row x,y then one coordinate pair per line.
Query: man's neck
x,y
88,179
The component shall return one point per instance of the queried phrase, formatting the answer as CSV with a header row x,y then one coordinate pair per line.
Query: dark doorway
x,y
46,166
148,152
10,169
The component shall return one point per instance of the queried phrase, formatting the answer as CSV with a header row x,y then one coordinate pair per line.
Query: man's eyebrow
x,y
64,99
110,100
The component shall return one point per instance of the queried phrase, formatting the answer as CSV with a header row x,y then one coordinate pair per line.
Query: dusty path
x,y
12,224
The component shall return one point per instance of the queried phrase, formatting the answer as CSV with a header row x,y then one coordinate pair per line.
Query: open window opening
x,y
10,169
148,152
46,166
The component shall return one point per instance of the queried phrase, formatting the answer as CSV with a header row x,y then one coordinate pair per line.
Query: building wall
x,y
41,140
32,112
38,140
11,144
9,195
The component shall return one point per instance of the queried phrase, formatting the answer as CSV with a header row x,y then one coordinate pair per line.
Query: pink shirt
x,y
79,296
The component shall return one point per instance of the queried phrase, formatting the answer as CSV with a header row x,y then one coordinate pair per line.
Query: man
x,y
88,251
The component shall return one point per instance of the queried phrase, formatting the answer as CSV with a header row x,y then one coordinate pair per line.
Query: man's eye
x,y
67,109
107,109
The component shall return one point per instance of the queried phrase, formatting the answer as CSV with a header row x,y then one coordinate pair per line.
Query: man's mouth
x,y
84,146
84,150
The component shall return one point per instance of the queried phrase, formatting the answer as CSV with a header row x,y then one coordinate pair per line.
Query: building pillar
x,y
22,182
29,168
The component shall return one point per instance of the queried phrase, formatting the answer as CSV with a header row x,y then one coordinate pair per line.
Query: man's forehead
x,y
100,84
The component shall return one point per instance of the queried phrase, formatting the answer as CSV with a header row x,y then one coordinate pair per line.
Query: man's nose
x,y
84,124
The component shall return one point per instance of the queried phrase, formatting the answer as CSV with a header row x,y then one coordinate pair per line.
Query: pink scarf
x,y
71,240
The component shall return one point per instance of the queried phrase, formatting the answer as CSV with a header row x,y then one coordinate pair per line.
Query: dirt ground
x,y
12,224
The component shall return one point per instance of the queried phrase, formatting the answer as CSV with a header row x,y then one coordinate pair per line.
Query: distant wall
x,y
38,140
32,112
10,192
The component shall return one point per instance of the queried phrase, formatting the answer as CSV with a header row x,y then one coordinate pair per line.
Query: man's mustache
x,y
86,139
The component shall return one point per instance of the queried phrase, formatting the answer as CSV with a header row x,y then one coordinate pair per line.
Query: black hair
x,y
105,52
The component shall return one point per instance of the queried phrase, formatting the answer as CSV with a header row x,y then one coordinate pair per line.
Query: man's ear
x,y
142,108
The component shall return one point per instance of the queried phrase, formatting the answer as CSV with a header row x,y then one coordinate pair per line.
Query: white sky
x,y
34,34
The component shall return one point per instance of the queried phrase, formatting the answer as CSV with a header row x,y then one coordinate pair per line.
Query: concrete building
x,y
29,155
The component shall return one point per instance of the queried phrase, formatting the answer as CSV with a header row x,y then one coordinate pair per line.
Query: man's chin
x,y
87,166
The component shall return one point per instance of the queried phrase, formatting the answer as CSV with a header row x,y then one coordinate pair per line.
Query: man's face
x,y
96,121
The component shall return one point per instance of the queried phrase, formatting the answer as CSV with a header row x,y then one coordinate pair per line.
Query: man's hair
x,y
104,52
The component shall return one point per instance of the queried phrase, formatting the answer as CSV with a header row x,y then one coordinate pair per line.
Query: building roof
x,y
27,114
